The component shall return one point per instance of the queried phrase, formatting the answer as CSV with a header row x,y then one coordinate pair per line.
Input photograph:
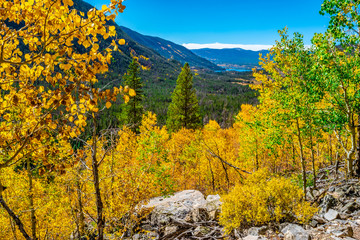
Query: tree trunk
x,y
95,169
13,227
337,159
357,160
330,150
256,155
13,215
31,201
212,175
81,218
352,151
302,159
312,157
293,155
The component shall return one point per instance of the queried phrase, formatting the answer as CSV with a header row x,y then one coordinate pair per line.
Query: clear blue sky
x,y
224,21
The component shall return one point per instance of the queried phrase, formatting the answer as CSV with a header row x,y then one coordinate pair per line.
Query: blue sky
x,y
221,21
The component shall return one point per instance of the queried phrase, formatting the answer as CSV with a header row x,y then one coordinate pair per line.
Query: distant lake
x,y
235,70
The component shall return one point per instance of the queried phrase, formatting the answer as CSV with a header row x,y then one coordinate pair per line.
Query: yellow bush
x,y
260,200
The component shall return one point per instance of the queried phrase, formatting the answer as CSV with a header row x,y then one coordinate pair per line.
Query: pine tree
x,y
184,108
134,109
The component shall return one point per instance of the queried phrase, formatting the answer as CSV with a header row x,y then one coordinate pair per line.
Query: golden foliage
x,y
263,199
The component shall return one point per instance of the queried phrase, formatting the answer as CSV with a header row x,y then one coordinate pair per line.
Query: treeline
x,y
220,95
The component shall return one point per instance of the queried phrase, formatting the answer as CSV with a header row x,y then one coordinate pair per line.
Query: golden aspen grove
x,y
65,176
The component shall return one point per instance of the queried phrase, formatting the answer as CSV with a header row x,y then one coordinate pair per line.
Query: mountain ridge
x,y
231,56
170,50
160,66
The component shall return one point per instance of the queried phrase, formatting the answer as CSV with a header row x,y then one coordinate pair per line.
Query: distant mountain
x,y
231,56
171,50
160,67
220,95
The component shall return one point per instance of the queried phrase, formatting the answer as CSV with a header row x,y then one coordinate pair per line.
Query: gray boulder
x,y
178,206
295,232
331,215
251,237
257,231
327,202
350,207
213,206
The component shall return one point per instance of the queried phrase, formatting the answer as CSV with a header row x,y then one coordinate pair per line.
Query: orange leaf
x,y
108,104
122,41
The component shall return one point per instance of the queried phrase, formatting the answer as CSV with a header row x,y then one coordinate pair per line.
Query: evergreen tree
x,y
184,108
133,110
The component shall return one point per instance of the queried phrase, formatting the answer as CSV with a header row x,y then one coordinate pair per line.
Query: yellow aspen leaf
x,y
86,44
112,28
53,125
132,92
104,8
121,41
108,104
68,42
95,47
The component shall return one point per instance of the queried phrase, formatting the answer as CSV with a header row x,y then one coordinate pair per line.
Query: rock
x,y
152,235
327,202
177,206
350,207
136,237
213,198
147,227
170,230
348,231
297,236
319,219
251,237
201,231
314,223
213,206
344,215
199,214
283,225
339,193
350,191
344,232
331,215
295,232
338,233
257,231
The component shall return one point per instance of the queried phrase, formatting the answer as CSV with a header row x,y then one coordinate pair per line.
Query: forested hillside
x,y
81,154
219,97
171,50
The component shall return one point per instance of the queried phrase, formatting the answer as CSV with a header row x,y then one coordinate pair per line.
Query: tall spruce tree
x,y
184,108
133,110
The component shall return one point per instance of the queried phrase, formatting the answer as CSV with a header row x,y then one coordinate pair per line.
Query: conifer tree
x,y
134,109
184,108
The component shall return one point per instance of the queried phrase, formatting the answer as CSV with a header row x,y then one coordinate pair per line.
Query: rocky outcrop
x,y
295,232
184,215
188,215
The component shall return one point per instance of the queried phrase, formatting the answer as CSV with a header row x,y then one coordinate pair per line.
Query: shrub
x,y
261,200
